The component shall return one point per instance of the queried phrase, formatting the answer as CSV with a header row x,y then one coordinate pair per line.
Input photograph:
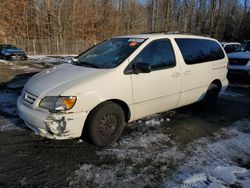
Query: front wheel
x,y
105,124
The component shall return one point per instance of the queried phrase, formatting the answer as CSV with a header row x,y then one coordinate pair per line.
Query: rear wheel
x,y
105,124
24,58
211,96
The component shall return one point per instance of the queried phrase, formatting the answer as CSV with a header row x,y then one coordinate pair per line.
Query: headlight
x,y
58,103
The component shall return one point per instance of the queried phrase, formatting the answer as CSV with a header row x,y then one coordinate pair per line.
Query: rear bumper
x,y
52,125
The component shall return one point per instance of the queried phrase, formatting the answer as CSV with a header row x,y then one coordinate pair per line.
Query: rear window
x,y
231,47
199,50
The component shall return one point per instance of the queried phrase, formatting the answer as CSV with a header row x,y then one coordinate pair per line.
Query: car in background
x,y
230,47
10,52
239,61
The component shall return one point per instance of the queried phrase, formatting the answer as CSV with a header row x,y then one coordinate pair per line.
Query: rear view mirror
x,y
141,68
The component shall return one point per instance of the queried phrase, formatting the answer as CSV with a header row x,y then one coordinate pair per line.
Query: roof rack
x,y
195,33
178,32
163,32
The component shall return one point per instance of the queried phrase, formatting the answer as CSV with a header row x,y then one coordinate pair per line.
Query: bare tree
x,y
48,24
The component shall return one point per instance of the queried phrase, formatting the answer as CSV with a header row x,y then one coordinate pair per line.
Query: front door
x,y
158,90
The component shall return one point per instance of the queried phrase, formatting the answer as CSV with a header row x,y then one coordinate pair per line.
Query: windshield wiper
x,y
87,64
82,63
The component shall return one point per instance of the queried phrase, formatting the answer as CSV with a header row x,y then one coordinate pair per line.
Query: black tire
x,y
105,124
24,58
211,96
4,57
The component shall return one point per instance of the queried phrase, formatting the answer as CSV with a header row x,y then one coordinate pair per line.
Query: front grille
x,y
238,61
28,97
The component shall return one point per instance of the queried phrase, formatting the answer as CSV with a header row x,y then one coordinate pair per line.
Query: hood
x,y
12,50
49,79
239,55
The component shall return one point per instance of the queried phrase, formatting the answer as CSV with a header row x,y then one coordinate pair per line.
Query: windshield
x,y
110,53
245,47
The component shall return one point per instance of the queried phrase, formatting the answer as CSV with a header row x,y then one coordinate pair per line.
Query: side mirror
x,y
141,68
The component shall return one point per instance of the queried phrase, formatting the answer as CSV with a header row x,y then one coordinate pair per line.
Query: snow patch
x,y
218,177
19,67
7,125
79,141
26,68
227,173
211,164
245,86
3,61
231,94
51,58
8,107
144,157
140,158
196,178
8,103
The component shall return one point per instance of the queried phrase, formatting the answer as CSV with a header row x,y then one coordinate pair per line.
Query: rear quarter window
x,y
215,51
199,50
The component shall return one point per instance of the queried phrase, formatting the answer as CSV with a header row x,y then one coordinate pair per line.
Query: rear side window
x,y
199,50
159,54
214,50
192,50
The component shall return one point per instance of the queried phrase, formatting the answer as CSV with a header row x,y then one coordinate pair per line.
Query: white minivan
x,y
121,80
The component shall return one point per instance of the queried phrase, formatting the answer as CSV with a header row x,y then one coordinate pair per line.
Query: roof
x,y
162,35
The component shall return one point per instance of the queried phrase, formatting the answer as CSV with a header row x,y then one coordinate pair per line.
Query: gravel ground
x,y
187,147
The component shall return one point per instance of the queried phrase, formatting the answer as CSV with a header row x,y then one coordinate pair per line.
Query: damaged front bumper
x,y
52,125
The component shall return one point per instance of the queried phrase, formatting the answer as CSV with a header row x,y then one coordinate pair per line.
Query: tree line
x,y
96,20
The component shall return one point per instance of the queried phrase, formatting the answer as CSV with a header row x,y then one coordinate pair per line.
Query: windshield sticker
x,y
133,44
136,40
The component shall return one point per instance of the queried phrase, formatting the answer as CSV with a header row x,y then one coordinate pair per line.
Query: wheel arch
x,y
122,104
124,107
119,102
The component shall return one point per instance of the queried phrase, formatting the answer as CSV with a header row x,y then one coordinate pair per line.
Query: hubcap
x,y
108,125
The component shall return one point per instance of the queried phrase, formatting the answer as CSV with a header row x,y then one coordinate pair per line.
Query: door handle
x,y
176,74
188,72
